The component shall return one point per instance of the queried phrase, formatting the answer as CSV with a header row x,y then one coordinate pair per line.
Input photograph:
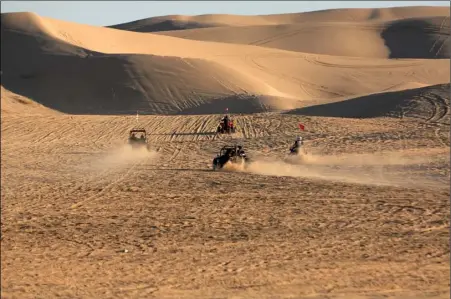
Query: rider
x,y
228,152
241,151
226,121
297,144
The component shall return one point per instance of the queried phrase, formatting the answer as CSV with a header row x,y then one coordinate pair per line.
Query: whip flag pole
x,y
137,117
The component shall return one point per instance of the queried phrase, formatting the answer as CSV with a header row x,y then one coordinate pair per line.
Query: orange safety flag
x,y
301,127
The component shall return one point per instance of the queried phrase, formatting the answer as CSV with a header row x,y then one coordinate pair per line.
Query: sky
x,y
104,13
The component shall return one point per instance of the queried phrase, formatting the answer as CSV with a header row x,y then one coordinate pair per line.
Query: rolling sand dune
x,y
363,213
426,37
181,22
138,65
428,103
17,104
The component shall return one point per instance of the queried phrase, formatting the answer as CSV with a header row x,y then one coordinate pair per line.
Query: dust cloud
x,y
240,167
119,158
384,169
365,159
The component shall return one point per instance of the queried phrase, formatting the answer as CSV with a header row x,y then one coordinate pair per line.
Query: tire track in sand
x,y
303,84
313,59
98,195
440,107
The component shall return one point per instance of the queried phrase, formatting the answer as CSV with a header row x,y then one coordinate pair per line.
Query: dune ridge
x,y
426,103
422,37
12,103
181,22
82,69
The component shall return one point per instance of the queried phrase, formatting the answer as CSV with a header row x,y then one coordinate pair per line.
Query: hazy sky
x,y
114,12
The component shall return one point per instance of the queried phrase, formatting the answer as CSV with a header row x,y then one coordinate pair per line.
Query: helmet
x,y
299,138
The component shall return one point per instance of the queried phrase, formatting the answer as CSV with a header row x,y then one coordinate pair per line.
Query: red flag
x,y
301,127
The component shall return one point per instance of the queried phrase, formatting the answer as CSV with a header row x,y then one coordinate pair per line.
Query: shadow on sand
x,y
92,83
388,104
416,38
182,169
185,134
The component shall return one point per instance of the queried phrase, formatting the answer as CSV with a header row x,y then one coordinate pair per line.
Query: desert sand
x,y
363,214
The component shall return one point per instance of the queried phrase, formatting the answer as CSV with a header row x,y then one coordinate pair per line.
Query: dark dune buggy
x,y
226,125
233,154
138,138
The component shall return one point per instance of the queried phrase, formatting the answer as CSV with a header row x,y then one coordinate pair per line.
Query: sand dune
x,y
12,103
113,71
180,22
425,37
385,32
427,103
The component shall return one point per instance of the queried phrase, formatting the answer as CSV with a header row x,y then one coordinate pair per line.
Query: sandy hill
x,y
382,32
83,69
14,104
181,22
429,103
421,37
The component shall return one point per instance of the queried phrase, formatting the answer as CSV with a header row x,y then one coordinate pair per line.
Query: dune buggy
x,y
138,138
233,154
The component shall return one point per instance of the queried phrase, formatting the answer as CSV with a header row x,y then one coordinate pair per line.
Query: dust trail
x,y
234,166
404,157
389,169
118,159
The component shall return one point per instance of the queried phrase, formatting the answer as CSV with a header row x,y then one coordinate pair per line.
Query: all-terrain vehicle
x,y
138,138
233,154
297,148
297,153
226,125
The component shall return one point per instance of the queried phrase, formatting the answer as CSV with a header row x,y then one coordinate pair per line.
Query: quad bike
x,y
297,151
297,155
233,154
138,142
226,126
